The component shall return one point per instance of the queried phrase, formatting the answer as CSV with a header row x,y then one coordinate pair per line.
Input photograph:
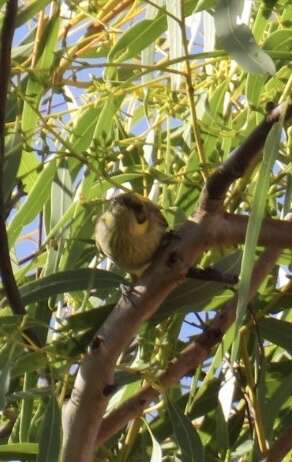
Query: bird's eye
x,y
136,206
139,211
140,214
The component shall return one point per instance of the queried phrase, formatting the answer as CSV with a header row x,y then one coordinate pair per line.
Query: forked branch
x,y
94,384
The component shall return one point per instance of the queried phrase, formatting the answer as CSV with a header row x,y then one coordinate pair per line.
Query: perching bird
x,y
130,232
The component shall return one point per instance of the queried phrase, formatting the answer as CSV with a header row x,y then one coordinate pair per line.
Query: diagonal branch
x,y
239,160
7,275
189,359
94,383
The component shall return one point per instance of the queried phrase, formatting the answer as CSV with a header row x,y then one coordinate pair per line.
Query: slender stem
x,y
130,439
259,426
190,91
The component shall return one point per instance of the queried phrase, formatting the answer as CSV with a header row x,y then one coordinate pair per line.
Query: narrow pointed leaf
x,y
50,440
271,150
186,435
238,40
69,281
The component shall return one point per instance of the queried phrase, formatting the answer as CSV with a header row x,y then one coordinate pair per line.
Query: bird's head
x,y
130,211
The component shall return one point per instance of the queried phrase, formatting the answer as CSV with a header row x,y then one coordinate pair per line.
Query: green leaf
x,y
133,41
238,40
69,281
186,435
222,438
271,150
103,130
254,88
279,40
85,320
34,90
192,296
6,361
61,193
156,455
19,451
11,162
143,34
50,441
278,332
34,203
28,12
196,295
29,362
9,324
176,49
213,116
124,393
84,124
273,405
33,393
26,412
61,199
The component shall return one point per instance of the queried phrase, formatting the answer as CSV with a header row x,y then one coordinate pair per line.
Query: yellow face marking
x,y
138,229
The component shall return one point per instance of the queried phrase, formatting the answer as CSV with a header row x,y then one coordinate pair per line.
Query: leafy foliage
x,y
99,101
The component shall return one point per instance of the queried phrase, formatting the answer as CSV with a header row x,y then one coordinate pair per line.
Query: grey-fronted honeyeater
x,y
130,232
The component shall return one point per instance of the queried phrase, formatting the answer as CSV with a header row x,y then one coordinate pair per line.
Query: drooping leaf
x,y
6,362
34,202
156,455
186,435
69,281
238,40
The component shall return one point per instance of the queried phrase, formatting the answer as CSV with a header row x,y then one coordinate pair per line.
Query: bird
x,y
130,232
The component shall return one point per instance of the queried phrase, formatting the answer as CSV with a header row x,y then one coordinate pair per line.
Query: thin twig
x,y
190,91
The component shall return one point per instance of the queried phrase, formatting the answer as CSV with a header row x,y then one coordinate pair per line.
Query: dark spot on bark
x,y
109,389
172,258
95,343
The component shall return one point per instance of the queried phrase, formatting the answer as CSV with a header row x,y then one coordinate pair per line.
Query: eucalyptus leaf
x,y
50,441
67,281
19,451
278,332
186,435
238,40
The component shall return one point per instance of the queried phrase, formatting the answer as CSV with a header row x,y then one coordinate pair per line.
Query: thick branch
x,y
7,275
239,160
231,230
190,358
93,386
